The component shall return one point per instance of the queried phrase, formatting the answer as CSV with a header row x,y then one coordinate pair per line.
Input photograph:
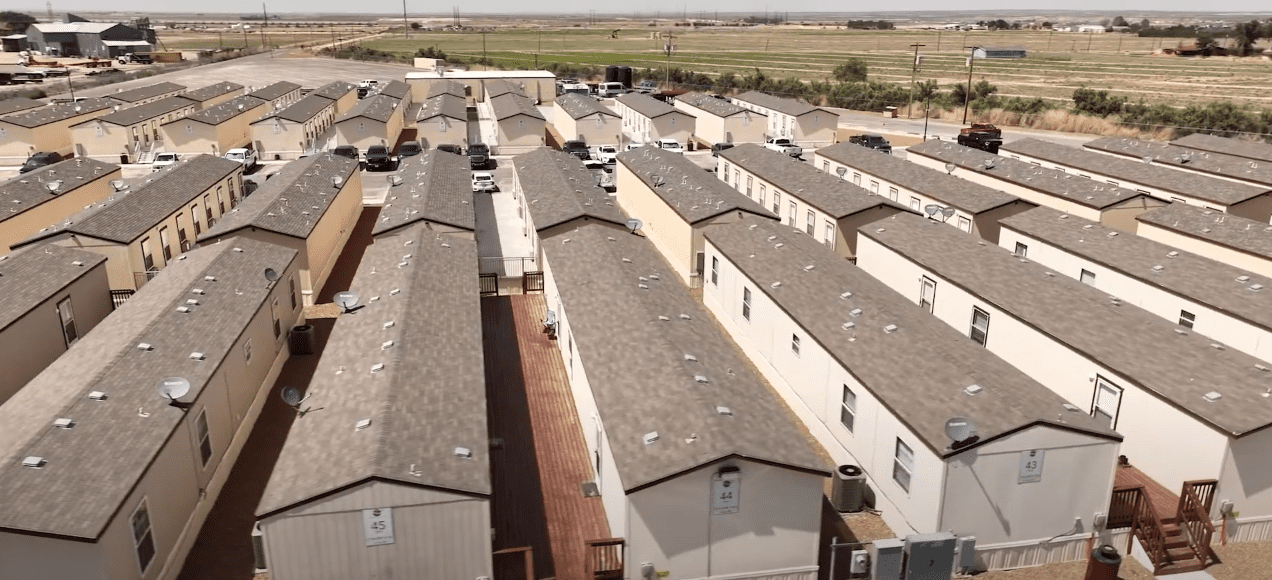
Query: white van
x,y
610,90
578,89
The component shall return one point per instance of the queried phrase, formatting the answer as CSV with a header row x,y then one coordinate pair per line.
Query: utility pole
x,y
332,27
967,98
264,23
1090,35
483,50
938,41
668,49
914,73
406,26
1053,32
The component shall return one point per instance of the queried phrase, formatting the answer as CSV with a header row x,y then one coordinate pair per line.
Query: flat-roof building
x,y
33,201
968,206
141,469
1161,182
1230,239
52,297
417,421
796,120
311,206
1106,203
875,380
815,203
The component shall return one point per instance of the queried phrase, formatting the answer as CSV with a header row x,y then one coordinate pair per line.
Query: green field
x,y
1058,62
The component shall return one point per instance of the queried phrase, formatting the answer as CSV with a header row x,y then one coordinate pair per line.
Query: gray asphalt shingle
x,y
212,91
334,90
146,92
42,116
133,115
692,193
302,110
714,106
1216,227
646,105
378,108
274,91
1178,366
579,106
920,370
782,105
559,189
30,277
430,397
17,104
829,194
435,187
1218,164
496,87
291,202
223,112
446,87
27,191
444,104
1249,149
512,104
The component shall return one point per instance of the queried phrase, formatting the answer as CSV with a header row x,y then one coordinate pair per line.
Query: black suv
x,y
450,148
478,155
718,147
378,158
876,142
346,151
576,148
39,160
410,149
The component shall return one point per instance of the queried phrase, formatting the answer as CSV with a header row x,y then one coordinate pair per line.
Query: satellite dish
x,y
961,431
173,388
948,212
347,301
634,224
841,171
949,167
395,180
657,180
271,275
336,180
931,209
989,164
291,396
1146,159
118,184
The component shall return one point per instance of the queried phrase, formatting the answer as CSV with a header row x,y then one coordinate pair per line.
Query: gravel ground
x,y
1130,570
1243,561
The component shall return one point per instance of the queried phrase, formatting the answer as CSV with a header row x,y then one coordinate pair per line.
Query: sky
x,y
418,7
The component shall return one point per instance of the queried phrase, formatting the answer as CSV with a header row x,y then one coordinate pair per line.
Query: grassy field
x,y
274,36
1058,62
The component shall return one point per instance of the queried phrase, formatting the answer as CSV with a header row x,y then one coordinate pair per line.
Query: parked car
x,y
347,151
876,142
606,154
368,83
671,145
647,87
478,155
783,145
449,148
484,182
718,147
245,156
39,160
634,145
379,158
410,149
983,136
576,148
165,159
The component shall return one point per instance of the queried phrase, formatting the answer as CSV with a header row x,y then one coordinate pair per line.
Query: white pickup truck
x,y
783,145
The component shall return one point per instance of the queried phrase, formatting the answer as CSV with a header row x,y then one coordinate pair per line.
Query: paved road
x,y
874,122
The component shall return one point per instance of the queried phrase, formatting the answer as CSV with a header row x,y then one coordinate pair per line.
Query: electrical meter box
x,y
887,559
929,556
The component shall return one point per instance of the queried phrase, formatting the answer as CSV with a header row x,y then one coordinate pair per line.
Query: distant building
x,y
999,52
539,85
89,39
1093,28
45,129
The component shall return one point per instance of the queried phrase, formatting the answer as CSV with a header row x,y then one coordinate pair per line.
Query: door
x,y
1108,400
927,293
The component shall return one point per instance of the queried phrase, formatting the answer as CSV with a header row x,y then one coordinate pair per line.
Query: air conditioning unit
x,y
847,492
929,556
887,557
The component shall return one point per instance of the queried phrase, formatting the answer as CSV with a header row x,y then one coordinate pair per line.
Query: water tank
x,y
611,74
302,339
847,493
625,76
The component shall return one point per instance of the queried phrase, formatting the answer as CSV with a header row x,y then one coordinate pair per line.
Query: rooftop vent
x,y
722,410
363,424
1172,254
198,291
1243,278
809,267
97,396
651,437
690,358
684,316
1112,234
1181,332
34,462
184,309
197,356
973,389
1256,287
891,328
463,453
848,325
386,345
1158,268
701,379
144,346
63,423
845,296
209,278
388,325
1072,408
192,302
854,312
1212,396
377,367
77,263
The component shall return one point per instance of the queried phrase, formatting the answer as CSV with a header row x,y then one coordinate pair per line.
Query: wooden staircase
x,y
1175,543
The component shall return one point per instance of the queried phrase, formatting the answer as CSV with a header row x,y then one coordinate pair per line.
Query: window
x,y
893,193
795,344
810,220
826,166
715,270
147,258
1187,319
746,303
194,216
964,223
163,244
748,186
207,208
291,283
143,540
182,239
874,187
790,217
903,465
278,325
856,179
247,351
1107,401
828,237
67,315
205,438
220,202
927,293
762,196
1088,277
979,331
737,178
726,172
848,413
914,203
1021,250
777,202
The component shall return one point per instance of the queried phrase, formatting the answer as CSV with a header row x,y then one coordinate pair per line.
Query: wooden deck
x,y
543,459
1165,502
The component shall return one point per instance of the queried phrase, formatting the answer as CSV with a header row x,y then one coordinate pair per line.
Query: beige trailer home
x,y
720,121
146,94
539,85
433,188
45,129
343,94
48,195
1230,239
443,119
128,133
374,120
278,95
581,117
293,130
646,120
213,94
143,469
310,206
519,126
1224,166
215,130
796,120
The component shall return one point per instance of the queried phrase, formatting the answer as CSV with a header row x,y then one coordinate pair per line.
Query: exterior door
x,y
1107,401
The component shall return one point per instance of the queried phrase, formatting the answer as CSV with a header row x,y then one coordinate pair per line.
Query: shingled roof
x,y
30,277
146,92
292,201
133,115
1256,150
428,400
1217,164
782,105
1215,227
378,108
578,106
511,104
446,87
693,194
211,91
302,110
223,112
646,105
444,104
28,191
334,91
436,187
39,117
17,104
559,189
275,90
834,197
714,106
